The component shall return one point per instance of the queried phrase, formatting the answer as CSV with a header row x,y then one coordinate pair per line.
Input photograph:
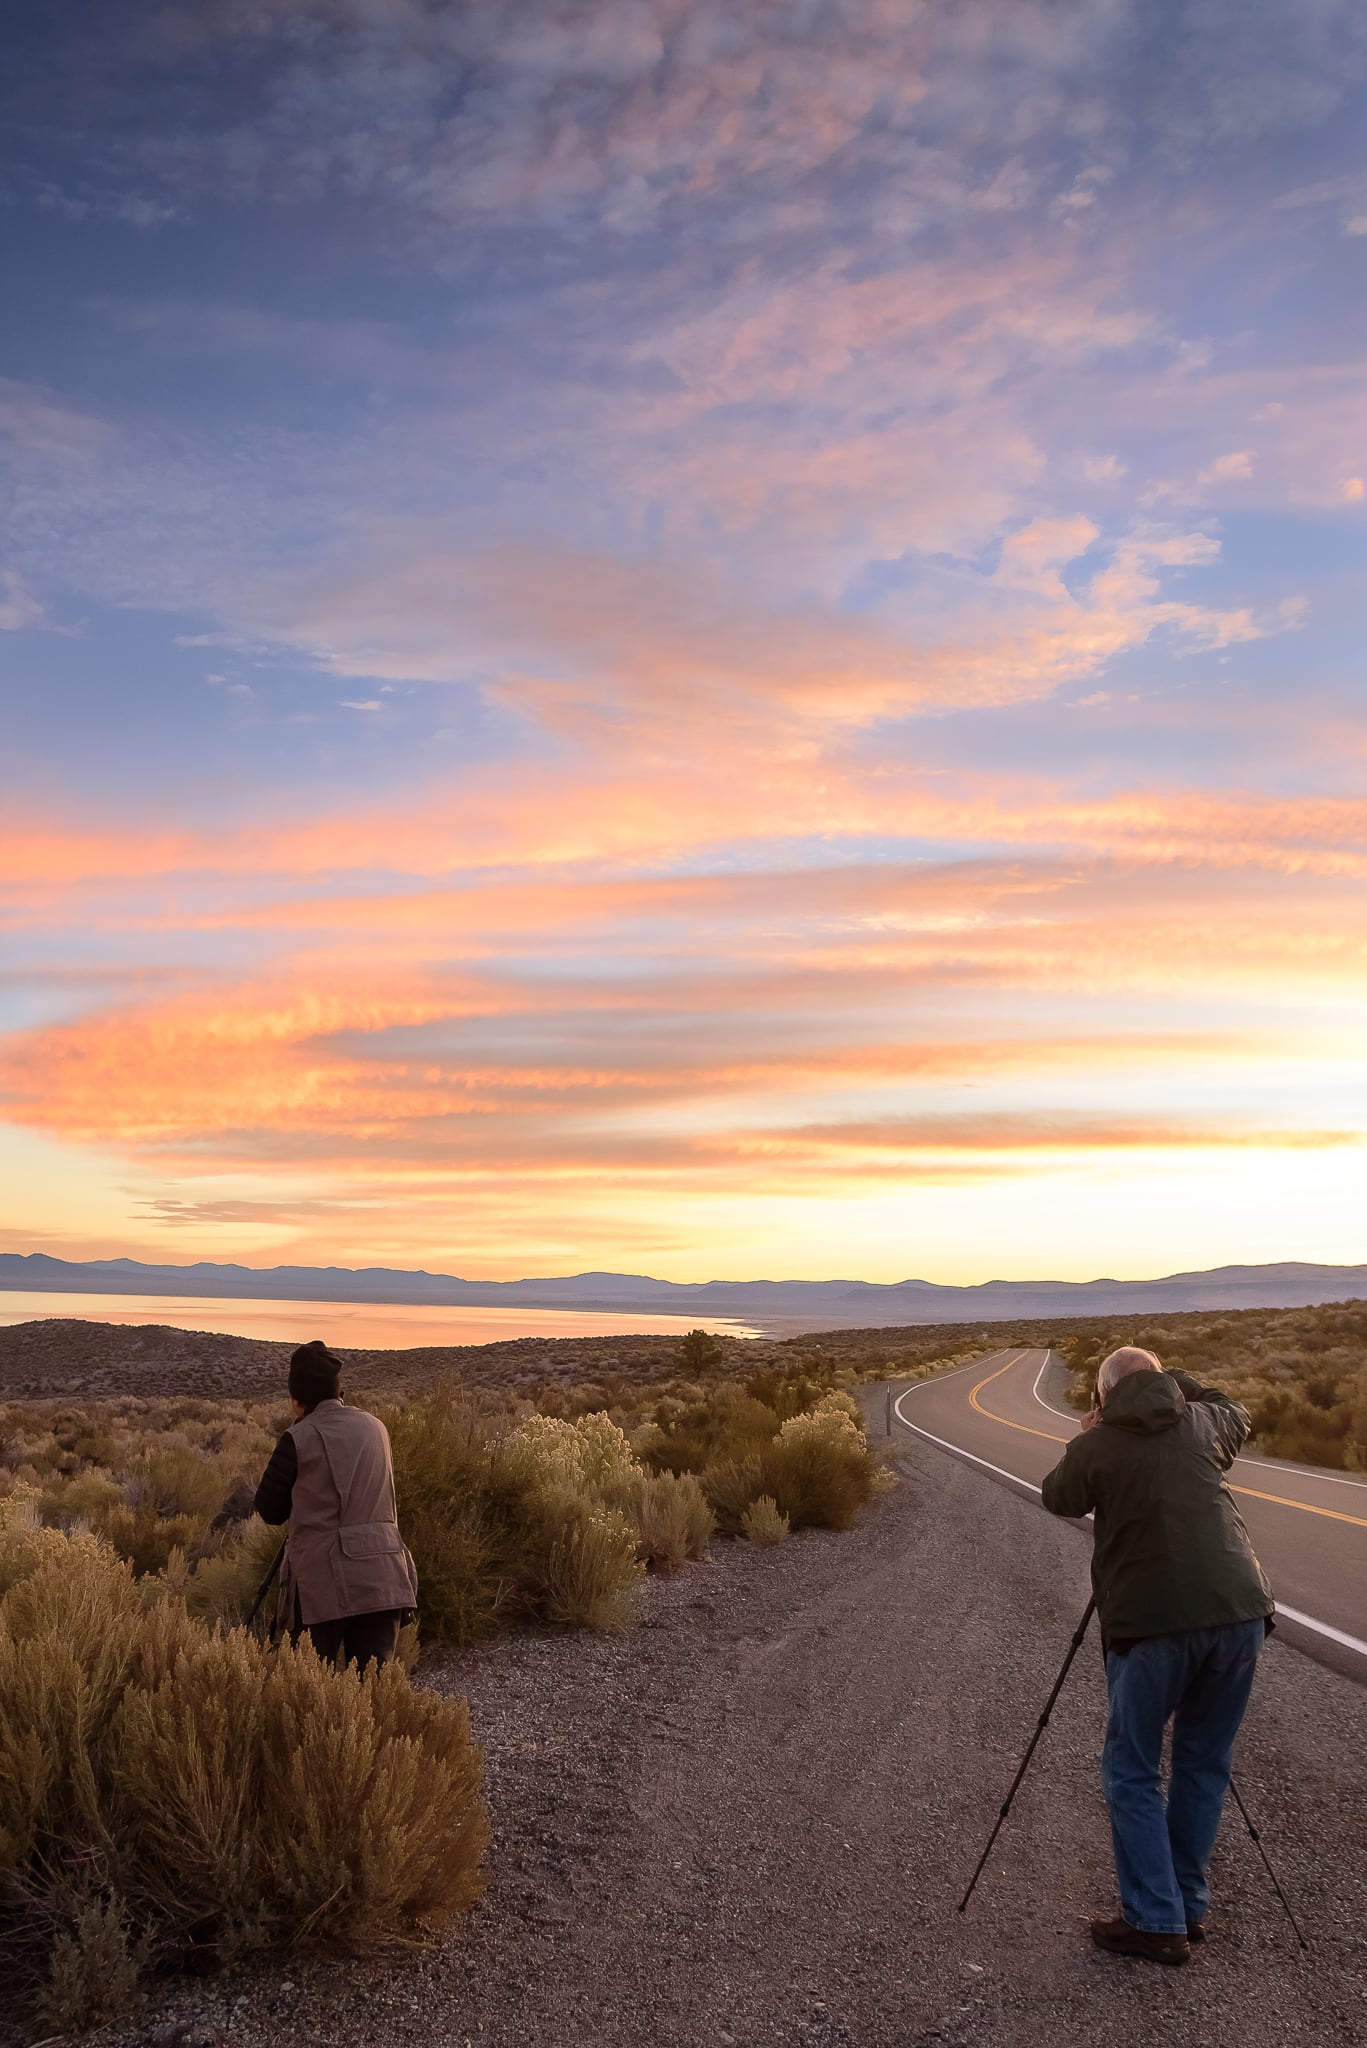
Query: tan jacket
x,y
345,1554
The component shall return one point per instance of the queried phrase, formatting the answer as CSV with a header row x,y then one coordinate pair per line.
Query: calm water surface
x,y
352,1325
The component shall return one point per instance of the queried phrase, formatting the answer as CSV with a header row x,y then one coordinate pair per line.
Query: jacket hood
x,y
1146,1402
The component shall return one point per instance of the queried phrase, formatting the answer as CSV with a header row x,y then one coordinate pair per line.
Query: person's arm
x,y
276,1492
1067,1490
1233,1424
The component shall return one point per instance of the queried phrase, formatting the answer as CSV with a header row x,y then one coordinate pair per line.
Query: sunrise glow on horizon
x,y
716,639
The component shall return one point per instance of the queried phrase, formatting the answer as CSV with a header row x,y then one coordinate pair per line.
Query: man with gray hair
x,y
1184,1608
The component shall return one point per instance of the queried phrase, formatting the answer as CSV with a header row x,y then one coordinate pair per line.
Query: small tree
x,y
701,1352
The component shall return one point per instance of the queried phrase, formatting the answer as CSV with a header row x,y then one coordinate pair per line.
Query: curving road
x,y
1006,1413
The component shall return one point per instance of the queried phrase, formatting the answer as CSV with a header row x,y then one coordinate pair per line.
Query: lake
x,y
353,1325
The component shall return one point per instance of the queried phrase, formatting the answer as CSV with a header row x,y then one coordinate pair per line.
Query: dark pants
x,y
357,1638
1200,1681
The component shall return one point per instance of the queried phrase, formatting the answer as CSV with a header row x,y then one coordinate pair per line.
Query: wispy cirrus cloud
x,y
745,612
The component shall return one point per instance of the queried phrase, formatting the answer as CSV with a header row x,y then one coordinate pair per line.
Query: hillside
x,y
779,1305
1302,1371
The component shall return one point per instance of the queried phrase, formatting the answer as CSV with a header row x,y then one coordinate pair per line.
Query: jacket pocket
x,y
369,1539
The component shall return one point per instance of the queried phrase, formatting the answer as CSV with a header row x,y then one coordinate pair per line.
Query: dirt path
x,y
750,1821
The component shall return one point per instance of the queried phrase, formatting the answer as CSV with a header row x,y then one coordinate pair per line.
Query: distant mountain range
x,y
816,1304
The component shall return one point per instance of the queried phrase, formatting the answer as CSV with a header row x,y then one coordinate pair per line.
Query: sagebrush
x,y
168,1791
516,1517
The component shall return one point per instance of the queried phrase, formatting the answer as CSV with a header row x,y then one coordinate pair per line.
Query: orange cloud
x,y
585,641
571,828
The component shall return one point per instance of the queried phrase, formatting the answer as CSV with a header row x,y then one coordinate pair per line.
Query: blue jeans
x,y
1200,1681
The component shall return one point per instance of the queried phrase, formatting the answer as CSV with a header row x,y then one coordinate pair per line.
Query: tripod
x,y
265,1586
1074,1646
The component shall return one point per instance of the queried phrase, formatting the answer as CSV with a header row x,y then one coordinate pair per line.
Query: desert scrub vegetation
x,y
172,1794
1301,1372
523,1525
763,1524
149,1476
518,1515
780,1436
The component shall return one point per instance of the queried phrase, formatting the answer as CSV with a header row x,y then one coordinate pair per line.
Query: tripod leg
x,y
1257,1841
1043,1722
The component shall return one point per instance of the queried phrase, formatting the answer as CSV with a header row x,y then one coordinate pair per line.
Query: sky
x,y
709,637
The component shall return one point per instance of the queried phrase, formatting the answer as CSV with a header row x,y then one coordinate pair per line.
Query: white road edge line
x,y
945,1445
1061,1413
1302,1472
1321,1628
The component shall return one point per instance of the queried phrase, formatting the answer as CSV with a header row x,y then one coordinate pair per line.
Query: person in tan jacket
x,y
346,1578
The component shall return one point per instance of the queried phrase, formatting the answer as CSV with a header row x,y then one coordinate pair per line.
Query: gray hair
x,y
1129,1358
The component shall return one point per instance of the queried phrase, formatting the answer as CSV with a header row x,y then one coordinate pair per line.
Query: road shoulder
x,y
749,1822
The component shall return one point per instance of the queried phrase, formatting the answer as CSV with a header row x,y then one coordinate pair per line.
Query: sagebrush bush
x,y
94,1966
669,1513
813,1460
762,1523
165,1789
718,1428
513,1526
819,1469
732,1485
228,1575
587,1569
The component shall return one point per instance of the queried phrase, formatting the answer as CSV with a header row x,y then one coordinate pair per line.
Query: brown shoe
x,y
1196,1932
1118,1938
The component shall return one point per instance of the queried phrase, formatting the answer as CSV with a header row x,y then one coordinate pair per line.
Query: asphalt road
x,y
1006,1413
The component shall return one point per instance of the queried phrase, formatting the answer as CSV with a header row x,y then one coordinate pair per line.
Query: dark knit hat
x,y
315,1374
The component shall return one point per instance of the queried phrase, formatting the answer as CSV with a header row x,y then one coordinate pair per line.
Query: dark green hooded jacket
x,y
1170,1548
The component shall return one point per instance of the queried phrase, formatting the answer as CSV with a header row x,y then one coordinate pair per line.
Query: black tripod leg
x,y
1043,1722
1267,1866
265,1587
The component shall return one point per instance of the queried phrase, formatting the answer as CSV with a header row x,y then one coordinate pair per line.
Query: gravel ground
x,y
749,1822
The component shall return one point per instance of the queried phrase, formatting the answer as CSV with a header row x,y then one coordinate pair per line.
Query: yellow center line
x,y
1250,1493
1049,1435
1330,1514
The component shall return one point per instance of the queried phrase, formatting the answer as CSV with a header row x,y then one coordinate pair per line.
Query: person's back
x,y
1183,1605
1170,1548
346,1577
346,1554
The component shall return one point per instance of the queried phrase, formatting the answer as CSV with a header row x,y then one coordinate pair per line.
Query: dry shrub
x,y
225,1582
94,1966
762,1523
670,1515
590,1456
521,1525
813,1461
722,1426
467,1575
819,1469
731,1486
86,1497
268,1795
587,1569
143,1537
164,1789
175,1481
459,1526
